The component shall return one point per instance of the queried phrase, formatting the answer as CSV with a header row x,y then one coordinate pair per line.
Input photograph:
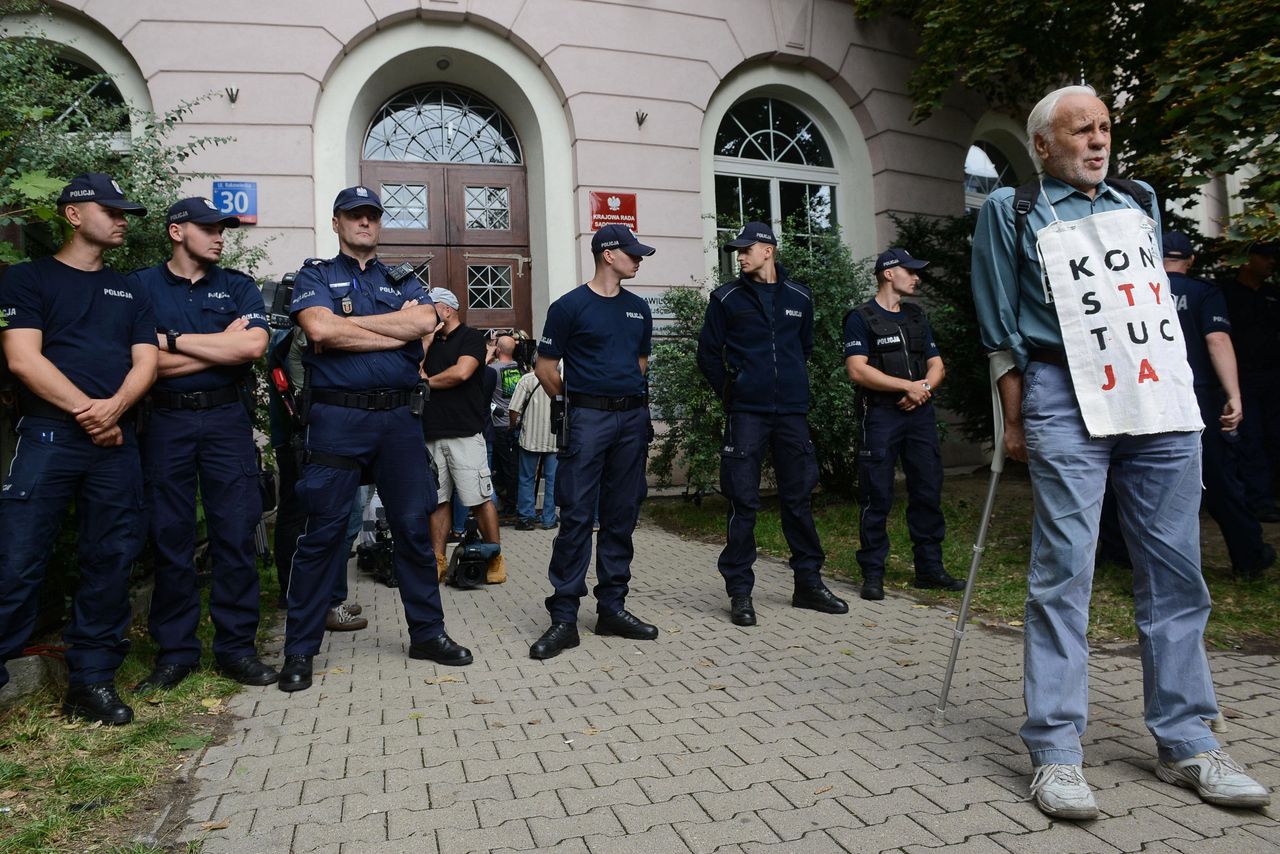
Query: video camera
x,y
377,558
470,560
277,296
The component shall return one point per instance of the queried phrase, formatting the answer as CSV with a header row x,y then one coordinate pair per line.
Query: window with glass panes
x,y
773,165
985,169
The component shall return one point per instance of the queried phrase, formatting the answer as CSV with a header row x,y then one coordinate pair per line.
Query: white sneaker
x,y
1217,778
1062,792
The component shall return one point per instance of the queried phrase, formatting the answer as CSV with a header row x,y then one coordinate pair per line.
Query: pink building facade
x,y
490,126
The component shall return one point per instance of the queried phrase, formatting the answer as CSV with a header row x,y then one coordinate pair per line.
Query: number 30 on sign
x,y
238,198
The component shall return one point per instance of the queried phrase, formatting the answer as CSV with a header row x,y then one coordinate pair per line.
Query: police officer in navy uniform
x,y
81,340
1206,328
890,353
602,332
364,330
1253,303
212,326
753,348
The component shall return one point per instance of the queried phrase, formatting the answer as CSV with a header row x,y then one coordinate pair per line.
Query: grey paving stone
x,y
804,734
664,839
895,832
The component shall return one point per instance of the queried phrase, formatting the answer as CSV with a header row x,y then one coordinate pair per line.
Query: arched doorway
x,y
449,168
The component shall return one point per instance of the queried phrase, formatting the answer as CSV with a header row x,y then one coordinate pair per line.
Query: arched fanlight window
x,y
773,165
440,124
985,169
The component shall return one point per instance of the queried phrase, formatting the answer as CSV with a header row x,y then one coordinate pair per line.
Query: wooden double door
x,y
466,228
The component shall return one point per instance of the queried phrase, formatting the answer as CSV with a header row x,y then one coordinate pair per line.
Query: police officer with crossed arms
x,y
212,326
364,326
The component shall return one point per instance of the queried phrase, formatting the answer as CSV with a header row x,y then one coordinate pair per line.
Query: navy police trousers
x,y
604,462
389,443
887,433
747,436
215,447
56,461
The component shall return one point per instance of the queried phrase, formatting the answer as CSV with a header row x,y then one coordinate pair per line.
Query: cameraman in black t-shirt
x,y
454,428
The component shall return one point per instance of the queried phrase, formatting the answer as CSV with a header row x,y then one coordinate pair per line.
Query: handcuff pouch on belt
x,y
560,421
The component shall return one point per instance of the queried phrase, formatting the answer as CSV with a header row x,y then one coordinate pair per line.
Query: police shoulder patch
x,y
315,262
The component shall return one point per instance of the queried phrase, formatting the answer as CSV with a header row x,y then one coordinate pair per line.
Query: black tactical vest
x,y
896,347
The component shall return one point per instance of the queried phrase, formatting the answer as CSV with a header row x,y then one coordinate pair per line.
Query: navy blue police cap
x,y
752,232
619,237
1269,249
1177,246
101,188
898,258
356,197
201,211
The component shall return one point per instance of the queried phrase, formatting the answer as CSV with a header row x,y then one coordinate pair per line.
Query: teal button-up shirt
x,y
1012,312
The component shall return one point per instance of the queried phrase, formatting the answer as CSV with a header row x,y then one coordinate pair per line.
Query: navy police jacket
x,y
339,285
754,362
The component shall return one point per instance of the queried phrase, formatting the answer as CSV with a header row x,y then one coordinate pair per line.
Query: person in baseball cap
x,y
201,211
752,232
1177,246
444,296
101,188
357,197
619,237
898,258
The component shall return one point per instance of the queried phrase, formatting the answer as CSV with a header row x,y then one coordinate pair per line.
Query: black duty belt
x,y
38,407
195,399
1047,355
609,404
378,399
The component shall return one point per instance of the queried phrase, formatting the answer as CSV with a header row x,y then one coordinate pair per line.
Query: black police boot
x,y
97,702
625,625
872,588
555,640
819,598
941,581
741,611
441,650
1266,559
249,671
296,673
164,676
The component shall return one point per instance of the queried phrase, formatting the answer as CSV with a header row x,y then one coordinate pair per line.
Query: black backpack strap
x,y
1024,201
1133,190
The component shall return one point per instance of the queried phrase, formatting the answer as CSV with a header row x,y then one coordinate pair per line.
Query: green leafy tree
x,y
57,120
691,413
1194,86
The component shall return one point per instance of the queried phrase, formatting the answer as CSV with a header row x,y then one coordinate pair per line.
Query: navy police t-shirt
x,y
202,307
600,339
89,320
1201,309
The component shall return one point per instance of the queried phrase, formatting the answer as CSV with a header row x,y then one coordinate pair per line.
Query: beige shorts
x,y
462,464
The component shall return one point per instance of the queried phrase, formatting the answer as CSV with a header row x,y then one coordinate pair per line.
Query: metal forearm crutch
x,y
997,467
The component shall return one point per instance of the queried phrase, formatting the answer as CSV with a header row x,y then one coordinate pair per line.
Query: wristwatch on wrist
x,y
171,339
924,383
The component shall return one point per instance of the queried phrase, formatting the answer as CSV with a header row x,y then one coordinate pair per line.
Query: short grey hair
x,y
1040,119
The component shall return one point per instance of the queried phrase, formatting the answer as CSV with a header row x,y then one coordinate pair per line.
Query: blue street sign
x,y
239,198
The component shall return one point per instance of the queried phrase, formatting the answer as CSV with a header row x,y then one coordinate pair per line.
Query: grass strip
x,y
1244,613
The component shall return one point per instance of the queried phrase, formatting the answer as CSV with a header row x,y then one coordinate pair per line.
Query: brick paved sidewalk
x,y
807,733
